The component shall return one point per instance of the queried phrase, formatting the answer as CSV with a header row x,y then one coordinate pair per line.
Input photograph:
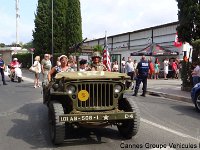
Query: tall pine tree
x,y
59,23
41,39
67,25
73,23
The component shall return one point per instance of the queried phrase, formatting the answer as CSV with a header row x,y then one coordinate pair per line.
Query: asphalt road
x,y
24,124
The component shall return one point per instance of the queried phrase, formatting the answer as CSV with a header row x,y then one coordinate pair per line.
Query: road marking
x,y
169,130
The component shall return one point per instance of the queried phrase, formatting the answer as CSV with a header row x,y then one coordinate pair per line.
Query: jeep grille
x,y
100,96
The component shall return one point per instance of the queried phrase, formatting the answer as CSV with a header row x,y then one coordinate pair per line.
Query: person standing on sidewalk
x,y
46,67
196,74
2,67
37,74
142,75
123,65
130,69
166,66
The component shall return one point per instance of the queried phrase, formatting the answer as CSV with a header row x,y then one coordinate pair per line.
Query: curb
x,y
171,96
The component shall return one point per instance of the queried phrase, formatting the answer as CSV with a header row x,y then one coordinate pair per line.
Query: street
x,y
24,124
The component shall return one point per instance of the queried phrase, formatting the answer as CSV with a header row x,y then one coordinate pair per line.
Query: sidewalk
x,y
168,88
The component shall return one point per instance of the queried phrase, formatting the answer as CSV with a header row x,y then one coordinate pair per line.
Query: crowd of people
x,y
170,68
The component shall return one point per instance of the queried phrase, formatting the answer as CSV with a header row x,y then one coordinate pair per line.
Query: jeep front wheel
x,y
129,128
57,129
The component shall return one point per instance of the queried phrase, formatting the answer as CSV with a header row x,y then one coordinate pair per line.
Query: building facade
x,y
122,45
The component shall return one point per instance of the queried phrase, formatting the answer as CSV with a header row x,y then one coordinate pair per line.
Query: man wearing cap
x,y
46,66
142,74
2,67
96,63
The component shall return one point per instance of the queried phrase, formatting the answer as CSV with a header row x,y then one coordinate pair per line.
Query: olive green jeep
x,y
92,98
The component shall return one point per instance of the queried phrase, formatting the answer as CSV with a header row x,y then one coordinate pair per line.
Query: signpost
x,y
32,52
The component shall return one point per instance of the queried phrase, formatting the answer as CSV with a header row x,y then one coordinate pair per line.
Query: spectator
x,y
196,74
37,74
135,66
174,69
166,66
115,67
151,69
2,68
157,68
130,70
46,66
123,65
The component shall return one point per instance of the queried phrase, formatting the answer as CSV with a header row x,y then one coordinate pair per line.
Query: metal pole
x,y
52,32
32,57
17,20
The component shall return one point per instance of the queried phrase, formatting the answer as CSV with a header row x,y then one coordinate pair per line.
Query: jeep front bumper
x,y
96,117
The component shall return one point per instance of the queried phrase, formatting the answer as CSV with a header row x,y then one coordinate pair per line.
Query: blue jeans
x,y
195,80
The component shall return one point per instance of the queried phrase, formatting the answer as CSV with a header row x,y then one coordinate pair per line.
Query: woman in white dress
x,y
37,74
166,68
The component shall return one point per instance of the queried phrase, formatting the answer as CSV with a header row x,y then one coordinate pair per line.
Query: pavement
x,y
170,88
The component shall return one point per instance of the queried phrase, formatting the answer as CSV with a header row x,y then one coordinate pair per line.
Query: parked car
x,y
195,94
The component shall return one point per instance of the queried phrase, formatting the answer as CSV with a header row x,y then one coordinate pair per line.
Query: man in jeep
x,y
96,63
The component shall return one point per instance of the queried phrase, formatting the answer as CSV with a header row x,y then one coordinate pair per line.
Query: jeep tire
x,y
129,128
57,129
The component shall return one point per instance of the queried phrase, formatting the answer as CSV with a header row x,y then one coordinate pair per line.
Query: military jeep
x,y
92,98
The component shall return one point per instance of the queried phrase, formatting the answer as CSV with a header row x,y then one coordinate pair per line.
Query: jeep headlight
x,y
71,89
117,88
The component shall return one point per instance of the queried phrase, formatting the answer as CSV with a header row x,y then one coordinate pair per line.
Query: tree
x,y
189,31
59,24
73,23
189,24
41,34
67,26
2,45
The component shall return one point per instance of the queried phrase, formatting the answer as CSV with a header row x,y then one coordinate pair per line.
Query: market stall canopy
x,y
154,50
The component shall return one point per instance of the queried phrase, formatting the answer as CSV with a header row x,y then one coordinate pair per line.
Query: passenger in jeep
x,y
62,68
96,63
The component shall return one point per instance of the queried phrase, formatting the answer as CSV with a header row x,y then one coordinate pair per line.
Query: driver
x,y
14,64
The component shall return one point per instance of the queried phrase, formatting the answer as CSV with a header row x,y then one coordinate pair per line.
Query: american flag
x,y
106,55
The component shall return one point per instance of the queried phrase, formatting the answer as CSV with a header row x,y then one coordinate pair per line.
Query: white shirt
x,y
129,67
123,63
37,64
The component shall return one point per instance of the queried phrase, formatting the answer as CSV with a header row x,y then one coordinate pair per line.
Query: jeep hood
x,y
91,75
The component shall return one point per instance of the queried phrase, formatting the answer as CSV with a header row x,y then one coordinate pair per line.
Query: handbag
x,y
34,69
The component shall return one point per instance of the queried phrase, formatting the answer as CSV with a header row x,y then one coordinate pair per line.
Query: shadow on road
x,y
187,110
31,126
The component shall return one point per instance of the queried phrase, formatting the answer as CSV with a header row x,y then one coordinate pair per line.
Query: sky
x,y
98,16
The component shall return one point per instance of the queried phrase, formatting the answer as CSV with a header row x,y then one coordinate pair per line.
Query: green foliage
x,y
41,34
186,74
2,45
98,48
189,20
67,26
189,31
73,23
59,23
